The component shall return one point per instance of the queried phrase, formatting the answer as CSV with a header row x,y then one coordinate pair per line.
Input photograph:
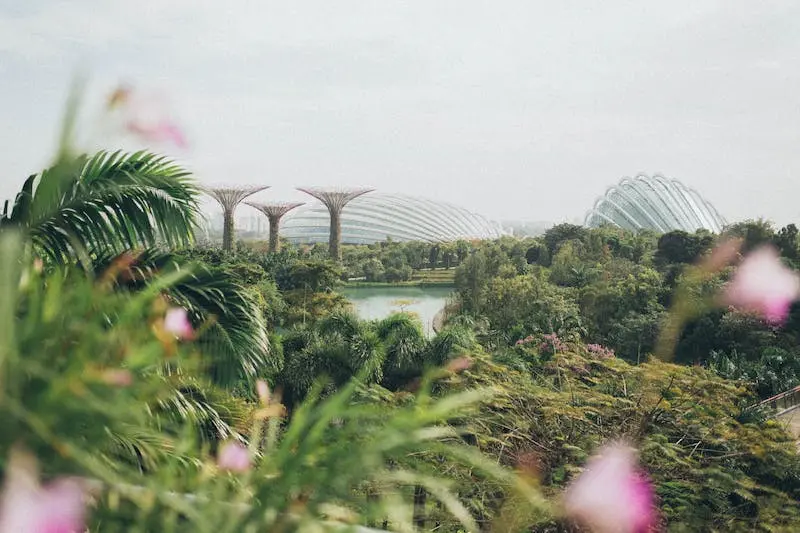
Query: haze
x,y
516,109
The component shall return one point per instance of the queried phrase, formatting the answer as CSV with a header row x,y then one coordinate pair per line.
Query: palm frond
x,y
107,203
234,335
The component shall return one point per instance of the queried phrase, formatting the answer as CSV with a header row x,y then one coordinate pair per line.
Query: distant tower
x,y
334,199
274,212
229,196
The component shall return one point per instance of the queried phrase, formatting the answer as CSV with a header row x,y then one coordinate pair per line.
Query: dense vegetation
x,y
191,389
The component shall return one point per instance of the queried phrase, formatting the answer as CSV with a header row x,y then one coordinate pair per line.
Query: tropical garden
x,y
584,380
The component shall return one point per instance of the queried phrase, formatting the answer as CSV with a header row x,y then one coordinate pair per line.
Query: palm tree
x,y
94,209
338,347
103,205
234,336
405,344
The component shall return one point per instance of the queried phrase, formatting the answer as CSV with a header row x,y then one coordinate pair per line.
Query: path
x,y
786,408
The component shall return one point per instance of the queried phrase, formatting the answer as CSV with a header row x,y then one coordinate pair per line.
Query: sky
x,y
516,109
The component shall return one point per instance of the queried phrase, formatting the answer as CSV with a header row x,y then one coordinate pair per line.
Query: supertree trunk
x,y
228,197
274,212
274,231
334,200
335,236
227,230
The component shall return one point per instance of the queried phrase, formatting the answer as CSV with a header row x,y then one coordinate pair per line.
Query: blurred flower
x,y
263,391
233,457
764,285
159,132
118,377
145,116
119,97
722,255
458,364
176,321
612,495
27,507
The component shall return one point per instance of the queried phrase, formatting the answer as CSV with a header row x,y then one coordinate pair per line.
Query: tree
x,y
462,250
373,270
634,336
233,335
754,233
471,278
433,256
404,344
537,254
395,274
448,252
312,275
560,233
570,268
105,204
787,242
681,247
526,305
625,289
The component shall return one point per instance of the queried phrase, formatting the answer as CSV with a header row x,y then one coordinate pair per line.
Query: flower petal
x,y
763,284
612,495
176,321
27,507
233,457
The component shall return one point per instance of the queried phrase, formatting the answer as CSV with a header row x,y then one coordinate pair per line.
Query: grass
x,y
410,283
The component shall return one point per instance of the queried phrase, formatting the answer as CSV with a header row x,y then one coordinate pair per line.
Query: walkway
x,y
786,408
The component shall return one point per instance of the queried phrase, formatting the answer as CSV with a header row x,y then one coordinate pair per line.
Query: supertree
x,y
334,199
274,212
229,196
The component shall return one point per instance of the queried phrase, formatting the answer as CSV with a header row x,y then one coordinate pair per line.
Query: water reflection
x,y
379,302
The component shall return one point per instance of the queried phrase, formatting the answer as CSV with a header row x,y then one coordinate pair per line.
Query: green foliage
x,y
392,352
754,233
775,371
712,472
471,278
106,204
234,337
94,384
681,247
555,236
524,305
145,439
73,338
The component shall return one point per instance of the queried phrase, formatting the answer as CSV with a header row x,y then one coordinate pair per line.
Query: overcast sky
x,y
517,109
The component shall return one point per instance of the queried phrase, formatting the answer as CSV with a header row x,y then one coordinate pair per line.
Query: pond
x,y
379,302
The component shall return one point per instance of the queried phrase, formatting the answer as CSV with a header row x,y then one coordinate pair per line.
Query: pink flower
x,y
762,284
263,391
233,457
612,495
162,132
600,351
28,507
146,116
176,321
118,377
